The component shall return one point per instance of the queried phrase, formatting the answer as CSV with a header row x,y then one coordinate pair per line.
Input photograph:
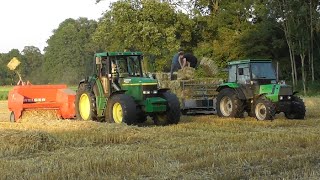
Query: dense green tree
x,y
7,76
68,56
150,26
31,63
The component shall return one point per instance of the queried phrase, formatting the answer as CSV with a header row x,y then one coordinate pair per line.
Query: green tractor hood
x,y
273,91
138,81
145,92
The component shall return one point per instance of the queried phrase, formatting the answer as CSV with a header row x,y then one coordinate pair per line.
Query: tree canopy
x,y
285,31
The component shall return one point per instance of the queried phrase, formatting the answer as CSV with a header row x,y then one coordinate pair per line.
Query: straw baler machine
x,y
41,97
27,97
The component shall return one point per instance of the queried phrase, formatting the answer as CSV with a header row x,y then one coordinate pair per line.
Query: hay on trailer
x,y
194,88
186,73
209,66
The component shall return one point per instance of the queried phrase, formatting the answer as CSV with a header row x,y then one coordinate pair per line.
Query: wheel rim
x,y
117,113
84,106
226,106
261,111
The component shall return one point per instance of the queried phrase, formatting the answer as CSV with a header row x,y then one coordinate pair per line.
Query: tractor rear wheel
x,y
264,109
85,103
297,109
229,104
122,109
172,115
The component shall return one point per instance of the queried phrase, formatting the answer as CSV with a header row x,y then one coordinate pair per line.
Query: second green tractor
x,y
253,87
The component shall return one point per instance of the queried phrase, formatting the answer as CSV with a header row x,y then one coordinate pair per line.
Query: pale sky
x,y
31,22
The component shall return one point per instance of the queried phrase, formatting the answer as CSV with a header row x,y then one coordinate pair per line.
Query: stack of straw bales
x,y
209,66
186,73
188,87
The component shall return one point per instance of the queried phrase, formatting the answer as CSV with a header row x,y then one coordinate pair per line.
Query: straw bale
x,y
209,66
186,73
162,76
13,64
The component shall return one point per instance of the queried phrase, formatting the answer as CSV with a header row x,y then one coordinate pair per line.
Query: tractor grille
x,y
285,90
151,89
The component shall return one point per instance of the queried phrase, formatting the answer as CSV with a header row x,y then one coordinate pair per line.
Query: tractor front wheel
x,y
297,110
264,109
172,114
85,103
122,109
228,104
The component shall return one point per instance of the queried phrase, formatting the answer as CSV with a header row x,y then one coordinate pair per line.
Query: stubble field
x,y
199,147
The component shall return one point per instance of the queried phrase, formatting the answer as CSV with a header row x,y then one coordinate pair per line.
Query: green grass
x,y
199,147
4,90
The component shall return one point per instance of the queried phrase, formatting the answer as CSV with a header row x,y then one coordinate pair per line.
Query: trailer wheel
x,y
85,103
228,104
264,109
122,109
297,109
12,118
172,115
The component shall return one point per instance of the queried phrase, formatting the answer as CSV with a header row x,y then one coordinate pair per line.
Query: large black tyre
x,y
297,109
121,109
229,104
85,103
264,109
173,114
141,116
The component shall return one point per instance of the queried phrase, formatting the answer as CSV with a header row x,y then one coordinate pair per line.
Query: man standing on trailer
x,y
176,62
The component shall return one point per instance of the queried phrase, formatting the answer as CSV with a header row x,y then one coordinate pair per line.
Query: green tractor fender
x,y
233,86
163,90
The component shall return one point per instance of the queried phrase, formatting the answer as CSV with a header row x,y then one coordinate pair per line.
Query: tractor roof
x,y
127,53
247,61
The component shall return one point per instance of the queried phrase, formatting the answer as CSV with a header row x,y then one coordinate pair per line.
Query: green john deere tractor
x,y
118,93
253,87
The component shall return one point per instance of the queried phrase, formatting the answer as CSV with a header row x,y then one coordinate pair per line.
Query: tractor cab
x,y
257,72
113,67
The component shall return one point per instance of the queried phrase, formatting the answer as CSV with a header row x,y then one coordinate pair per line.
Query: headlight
x,y
289,97
146,92
155,92
281,98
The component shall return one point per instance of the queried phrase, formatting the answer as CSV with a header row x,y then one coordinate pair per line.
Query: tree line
x,y
286,31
